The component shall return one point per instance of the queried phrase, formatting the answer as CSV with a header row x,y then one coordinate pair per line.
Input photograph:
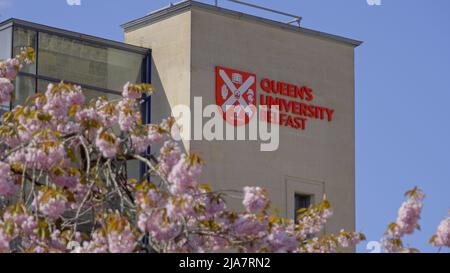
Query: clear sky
x,y
402,89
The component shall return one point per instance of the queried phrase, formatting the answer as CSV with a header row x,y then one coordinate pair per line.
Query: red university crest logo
x,y
236,95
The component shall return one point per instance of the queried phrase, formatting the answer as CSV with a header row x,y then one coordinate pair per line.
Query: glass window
x,y
80,62
88,93
302,201
93,94
25,38
42,86
5,43
24,87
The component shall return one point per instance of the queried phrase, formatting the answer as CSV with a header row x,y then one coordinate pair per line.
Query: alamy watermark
x,y
374,2
234,123
73,2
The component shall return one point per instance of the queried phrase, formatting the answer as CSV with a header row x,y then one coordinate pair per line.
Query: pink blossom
x,y
104,114
61,97
139,143
9,68
130,93
150,199
408,215
158,225
107,145
7,186
98,244
87,114
5,239
68,127
65,177
180,206
156,134
45,157
212,204
53,206
129,117
107,112
349,239
315,245
255,199
442,237
75,96
29,125
183,174
314,219
23,220
169,155
391,245
28,224
121,242
249,225
280,241
135,91
6,88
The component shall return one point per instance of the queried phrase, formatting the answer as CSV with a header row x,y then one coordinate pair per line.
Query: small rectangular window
x,y
302,201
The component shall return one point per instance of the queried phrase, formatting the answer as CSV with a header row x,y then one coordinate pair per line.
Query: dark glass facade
x,y
98,65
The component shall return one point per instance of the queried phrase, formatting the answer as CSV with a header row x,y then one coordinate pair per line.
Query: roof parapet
x,y
186,5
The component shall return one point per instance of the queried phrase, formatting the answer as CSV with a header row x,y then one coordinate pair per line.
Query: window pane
x,y
5,43
83,63
93,94
24,87
25,38
301,202
88,93
42,86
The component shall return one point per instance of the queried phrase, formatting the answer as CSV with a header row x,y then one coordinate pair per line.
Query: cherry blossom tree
x,y
408,221
65,187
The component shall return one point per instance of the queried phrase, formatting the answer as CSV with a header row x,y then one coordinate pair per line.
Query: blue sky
x,y
402,89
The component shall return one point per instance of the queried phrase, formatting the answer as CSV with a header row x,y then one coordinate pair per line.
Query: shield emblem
x,y
236,95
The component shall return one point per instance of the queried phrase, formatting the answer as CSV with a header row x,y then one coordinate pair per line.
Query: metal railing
x,y
295,18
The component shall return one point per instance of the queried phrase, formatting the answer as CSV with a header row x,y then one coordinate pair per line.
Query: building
x,y
100,66
199,51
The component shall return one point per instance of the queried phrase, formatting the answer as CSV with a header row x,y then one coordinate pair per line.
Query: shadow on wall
x,y
160,106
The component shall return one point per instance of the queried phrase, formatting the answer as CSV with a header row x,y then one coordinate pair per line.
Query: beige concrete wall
x,y
320,159
186,49
170,41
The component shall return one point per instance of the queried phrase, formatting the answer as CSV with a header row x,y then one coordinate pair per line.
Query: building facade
x,y
190,41
192,51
